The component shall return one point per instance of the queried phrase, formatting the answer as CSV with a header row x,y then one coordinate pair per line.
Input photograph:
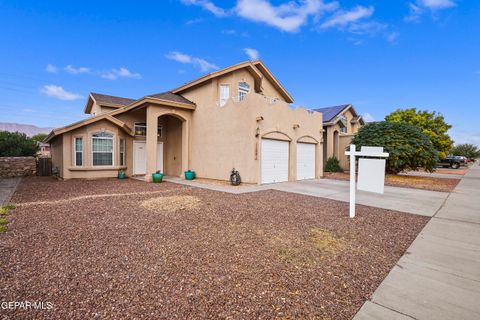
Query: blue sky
x,y
378,55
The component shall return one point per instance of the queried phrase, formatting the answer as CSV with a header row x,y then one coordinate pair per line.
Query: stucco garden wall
x,y
17,166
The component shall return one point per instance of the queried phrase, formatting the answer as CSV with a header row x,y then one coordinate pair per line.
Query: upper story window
x,y
140,129
102,149
343,124
224,94
78,152
243,90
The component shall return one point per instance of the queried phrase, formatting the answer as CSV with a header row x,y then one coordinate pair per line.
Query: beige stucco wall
x,y
56,151
222,138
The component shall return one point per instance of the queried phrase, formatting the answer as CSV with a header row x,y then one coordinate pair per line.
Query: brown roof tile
x,y
170,96
103,98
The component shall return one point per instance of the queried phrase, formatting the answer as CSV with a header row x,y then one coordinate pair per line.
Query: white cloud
x,y
289,16
207,5
50,68
419,7
200,63
72,70
114,74
437,4
464,136
252,53
367,117
59,93
343,19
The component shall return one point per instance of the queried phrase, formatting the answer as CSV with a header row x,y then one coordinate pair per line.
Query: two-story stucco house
x,y
340,124
239,117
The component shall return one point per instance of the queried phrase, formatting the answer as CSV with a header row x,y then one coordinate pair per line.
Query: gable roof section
x,y
106,101
170,96
329,113
78,124
256,67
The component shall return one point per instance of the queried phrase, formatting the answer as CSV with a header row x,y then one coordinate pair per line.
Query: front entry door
x,y
140,157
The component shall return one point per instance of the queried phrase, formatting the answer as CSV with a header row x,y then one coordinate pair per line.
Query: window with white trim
x,y
243,90
78,151
102,149
122,152
224,94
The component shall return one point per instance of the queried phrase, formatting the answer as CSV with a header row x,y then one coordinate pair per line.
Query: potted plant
x,y
121,174
189,175
157,176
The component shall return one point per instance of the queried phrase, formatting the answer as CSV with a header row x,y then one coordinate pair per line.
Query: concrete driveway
x,y
416,201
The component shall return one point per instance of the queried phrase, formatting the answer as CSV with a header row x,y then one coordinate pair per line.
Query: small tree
x,y
39,137
409,148
16,144
431,123
333,165
468,150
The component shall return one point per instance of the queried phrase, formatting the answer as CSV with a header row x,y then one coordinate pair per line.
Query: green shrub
x,y
16,144
9,206
3,229
409,148
3,221
333,165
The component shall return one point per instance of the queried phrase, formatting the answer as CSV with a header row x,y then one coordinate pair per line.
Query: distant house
x,y
340,123
238,117
44,149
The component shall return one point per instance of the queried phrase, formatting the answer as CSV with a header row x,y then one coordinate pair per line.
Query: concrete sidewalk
x,y
7,188
416,201
439,275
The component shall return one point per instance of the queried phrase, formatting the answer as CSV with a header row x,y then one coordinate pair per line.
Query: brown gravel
x,y
262,255
414,182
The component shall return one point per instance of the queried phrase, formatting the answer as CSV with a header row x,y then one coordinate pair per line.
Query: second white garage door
x,y
274,161
305,161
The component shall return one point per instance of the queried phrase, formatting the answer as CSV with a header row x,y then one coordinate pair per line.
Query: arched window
x,y
102,149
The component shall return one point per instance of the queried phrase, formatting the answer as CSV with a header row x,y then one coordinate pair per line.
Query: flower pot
x,y
189,175
157,177
121,175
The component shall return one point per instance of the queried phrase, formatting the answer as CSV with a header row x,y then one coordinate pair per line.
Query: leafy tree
x,y
39,137
409,148
432,124
468,150
333,165
16,144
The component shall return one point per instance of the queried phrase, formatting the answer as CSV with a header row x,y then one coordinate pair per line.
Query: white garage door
x,y
274,161
305,161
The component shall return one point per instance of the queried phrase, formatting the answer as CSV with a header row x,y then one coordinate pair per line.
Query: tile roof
x,y
103,98
170,96
331,112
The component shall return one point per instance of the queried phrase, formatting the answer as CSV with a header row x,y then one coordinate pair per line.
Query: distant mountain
x,y
28,129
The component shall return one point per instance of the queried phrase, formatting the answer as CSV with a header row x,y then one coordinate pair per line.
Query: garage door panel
x,y
305,161
274,161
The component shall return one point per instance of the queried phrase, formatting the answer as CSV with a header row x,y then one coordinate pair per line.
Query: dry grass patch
x,y
173,203
311,248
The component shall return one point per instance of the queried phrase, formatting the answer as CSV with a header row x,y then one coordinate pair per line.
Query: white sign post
x,y
371,172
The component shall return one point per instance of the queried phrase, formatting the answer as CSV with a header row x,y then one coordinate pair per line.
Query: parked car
x,y
453,162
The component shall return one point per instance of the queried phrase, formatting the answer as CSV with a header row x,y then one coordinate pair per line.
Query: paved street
x,y
439,276
7,188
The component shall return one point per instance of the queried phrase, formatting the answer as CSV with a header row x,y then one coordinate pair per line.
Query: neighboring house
x,y
238,117
340,123
44,149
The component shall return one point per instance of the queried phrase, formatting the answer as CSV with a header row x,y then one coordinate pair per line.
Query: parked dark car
x,y
453,162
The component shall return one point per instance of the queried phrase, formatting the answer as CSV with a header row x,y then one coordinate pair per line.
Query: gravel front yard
x,y
175,252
